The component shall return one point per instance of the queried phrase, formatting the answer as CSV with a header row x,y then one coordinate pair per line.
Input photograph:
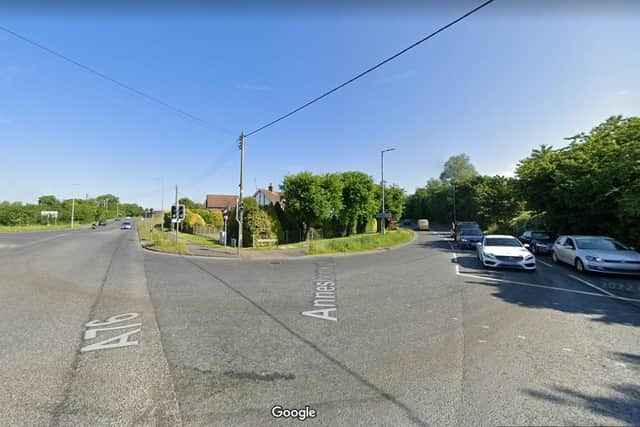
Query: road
x,y
419,335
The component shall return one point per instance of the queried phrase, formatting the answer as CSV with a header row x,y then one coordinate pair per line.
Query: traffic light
x,y
174,212
181,212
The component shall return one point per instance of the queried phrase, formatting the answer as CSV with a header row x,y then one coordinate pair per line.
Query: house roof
x,y
220,201
273,196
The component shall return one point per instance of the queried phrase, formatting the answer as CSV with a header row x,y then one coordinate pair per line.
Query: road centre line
x,y
547,287
542,262
455,258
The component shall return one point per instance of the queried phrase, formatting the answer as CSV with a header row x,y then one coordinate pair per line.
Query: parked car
x,y
118,219
423,224
540,242
464,225
596,253
470,237
406,221
102,222
125,226
497,250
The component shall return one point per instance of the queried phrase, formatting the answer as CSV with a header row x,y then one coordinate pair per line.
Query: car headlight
x,y
489,255
528,257
465,240
594,258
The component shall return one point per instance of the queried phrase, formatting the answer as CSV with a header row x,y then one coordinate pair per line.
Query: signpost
x,y
225,215
49,214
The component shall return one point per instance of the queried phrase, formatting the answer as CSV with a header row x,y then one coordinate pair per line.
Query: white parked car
x,y
497,250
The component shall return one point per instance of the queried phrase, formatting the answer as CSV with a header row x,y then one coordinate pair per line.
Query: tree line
x,y
87,210
333,205
591,186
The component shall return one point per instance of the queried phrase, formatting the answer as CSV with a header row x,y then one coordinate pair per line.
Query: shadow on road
x,y
624,406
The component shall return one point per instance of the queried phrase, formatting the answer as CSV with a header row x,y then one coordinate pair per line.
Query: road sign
x,y
384,215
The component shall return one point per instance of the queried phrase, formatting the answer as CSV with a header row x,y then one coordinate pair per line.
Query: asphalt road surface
x,y
94,330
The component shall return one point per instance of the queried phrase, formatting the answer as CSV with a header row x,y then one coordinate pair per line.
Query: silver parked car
x,y
596,253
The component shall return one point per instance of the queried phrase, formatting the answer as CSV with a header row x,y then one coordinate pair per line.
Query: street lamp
x,y
382,184
161,201
73,204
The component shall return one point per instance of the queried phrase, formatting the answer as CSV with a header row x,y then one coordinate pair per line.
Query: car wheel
x,y
579,265
555,258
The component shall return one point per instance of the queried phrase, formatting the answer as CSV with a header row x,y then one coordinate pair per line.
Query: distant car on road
x,y
125,226
470,237
406,221
423,224
497,250
596,253
102,222
540,242
118,219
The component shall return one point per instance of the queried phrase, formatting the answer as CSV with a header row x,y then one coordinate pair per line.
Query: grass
x,y
39,227
202,241
155,239
360,242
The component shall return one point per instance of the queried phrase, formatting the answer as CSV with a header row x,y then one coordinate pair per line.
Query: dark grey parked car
x,y
540,242
469,238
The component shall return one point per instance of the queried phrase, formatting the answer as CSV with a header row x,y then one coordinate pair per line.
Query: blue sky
x,y
495,86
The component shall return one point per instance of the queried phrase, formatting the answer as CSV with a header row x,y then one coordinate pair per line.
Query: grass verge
x,y
202,241
360,242
38,227
155,239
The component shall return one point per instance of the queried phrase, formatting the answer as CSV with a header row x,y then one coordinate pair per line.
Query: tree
x,y
457,168
307,200
358,201
189,204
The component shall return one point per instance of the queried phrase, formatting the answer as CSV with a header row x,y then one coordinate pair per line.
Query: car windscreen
x,y
601,244
543,237
501,241
471,233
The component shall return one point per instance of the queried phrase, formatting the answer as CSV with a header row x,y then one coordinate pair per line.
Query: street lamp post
x,y
382,184
73,204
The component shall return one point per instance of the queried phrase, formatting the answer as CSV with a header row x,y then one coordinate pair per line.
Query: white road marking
x,y
586,282
545,263
547,287
522,337
102,326
454,318
482,341
620,364
485,326
567,349
455,258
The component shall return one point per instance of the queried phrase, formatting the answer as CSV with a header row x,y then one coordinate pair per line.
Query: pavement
x,y
96,330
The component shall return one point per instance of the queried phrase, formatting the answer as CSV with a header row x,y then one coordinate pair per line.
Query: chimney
x,y
271,187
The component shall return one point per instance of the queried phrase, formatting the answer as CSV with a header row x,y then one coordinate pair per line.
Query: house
x,y
268,196
220,202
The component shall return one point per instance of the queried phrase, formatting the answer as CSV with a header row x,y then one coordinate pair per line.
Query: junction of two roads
x,y
96,330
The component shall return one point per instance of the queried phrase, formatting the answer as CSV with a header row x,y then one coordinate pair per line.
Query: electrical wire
x,y
367,71
148,97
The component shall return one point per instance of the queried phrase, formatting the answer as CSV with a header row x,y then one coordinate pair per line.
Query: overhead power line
x,y
367,71
131,89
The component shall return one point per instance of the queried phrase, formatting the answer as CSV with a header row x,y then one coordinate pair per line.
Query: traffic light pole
x,y
241,204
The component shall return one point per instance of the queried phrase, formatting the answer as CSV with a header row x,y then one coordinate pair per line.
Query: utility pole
x,y
453,184
382,184
176,215
117,209
241,204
